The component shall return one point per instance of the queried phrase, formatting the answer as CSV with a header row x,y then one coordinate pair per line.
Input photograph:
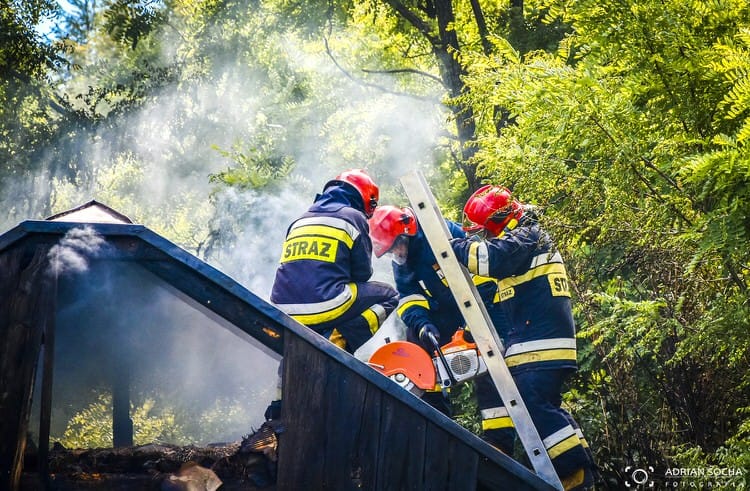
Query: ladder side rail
x,y
475,314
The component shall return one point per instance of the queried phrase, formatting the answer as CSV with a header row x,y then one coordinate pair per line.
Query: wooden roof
x,y
91,212
220,295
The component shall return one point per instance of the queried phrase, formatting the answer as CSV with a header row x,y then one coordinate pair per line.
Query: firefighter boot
x,y
579,480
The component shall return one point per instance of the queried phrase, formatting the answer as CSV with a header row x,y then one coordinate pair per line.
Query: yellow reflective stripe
x,y
320,317
542,355
481,280
438,388
372,320
531,274
497,423
473,262
337,339
562,447
412,301
584,443
324,231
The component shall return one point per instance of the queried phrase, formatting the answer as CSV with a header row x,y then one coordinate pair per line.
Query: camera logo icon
x,y
637,476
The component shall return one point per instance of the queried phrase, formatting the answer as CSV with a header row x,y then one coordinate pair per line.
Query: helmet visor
x,y
399,251
471,228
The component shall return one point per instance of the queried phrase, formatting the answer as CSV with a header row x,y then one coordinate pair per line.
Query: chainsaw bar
x,y
475,314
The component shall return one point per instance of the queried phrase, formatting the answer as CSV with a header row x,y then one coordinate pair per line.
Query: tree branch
x,y
368,84
414,20
482,27
408,70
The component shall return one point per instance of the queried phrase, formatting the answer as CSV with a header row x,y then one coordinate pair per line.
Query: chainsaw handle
x,y
451,380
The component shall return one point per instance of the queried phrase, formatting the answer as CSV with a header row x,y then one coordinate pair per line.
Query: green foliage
x,y
632,138
128,21
92,426
25,54
259,167
626,121
465,408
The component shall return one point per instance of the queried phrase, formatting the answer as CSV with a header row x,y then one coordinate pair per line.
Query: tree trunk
x,y
452,73
26,305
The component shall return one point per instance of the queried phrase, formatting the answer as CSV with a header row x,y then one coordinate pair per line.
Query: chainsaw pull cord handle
x,y
451,380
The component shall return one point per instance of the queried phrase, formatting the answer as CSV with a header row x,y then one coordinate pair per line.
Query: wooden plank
x,y
402,451
24,308
368,445
488,478
303,411
450,464
353,417
45,405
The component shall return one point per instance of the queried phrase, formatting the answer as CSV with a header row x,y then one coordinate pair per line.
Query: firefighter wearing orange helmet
x,y
533,294
426,304
326,264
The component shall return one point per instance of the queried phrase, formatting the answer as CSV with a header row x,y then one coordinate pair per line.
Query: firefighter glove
x,y
427,331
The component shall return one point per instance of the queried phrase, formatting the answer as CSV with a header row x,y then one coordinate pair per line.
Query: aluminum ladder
x,y
475,314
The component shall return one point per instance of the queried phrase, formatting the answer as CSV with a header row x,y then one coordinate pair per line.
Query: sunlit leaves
x,y
637,152
91,427
128,21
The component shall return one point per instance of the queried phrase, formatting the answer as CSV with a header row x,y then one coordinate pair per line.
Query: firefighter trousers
x,y
374,303
540,391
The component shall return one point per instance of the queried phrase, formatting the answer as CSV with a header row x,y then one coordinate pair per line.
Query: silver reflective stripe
x,y
546,258
494,412
379,311
334,222
540,345
316,308
483,260
558,436
579,433
412,298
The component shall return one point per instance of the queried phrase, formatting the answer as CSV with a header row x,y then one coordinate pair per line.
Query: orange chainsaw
x,y
412,368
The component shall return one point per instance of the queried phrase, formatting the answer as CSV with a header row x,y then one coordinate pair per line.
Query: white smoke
x,y
72,253
153,166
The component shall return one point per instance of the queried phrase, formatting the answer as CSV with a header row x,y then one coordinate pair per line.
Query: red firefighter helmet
x,y
364,185
387,224
492,208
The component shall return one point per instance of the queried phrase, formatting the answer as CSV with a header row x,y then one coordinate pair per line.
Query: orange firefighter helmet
x,y
389,223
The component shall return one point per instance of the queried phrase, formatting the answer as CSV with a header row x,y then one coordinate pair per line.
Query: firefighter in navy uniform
x,y
533,294
426,303
326,263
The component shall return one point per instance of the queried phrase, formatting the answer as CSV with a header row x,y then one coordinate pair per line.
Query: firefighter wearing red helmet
x,y
491,209
533,294
426,304
326,263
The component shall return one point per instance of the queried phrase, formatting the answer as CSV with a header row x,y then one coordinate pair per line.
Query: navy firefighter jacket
x,y
532,292
326,251
423,291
